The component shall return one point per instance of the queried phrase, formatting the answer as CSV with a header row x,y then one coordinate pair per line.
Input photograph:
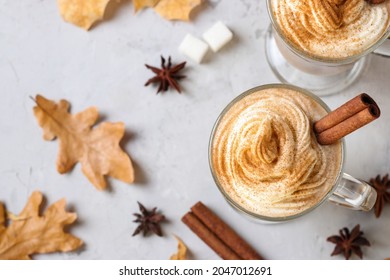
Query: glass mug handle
x,y
384,49
354,193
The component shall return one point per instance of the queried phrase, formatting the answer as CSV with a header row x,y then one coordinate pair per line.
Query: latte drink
x,y
334,29
265,157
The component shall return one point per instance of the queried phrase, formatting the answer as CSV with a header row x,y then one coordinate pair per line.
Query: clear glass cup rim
x,y
324,60
237,206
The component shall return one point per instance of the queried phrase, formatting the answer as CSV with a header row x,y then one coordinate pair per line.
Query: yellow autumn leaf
x,y
29,233
176,9
96,148
83,13
141,4
181,251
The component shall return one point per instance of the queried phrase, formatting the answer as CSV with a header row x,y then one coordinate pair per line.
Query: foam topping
x,y
331,28
265,155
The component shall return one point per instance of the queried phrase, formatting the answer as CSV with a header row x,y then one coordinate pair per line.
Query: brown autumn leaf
x,y
29,233
96,148
181,251
141,4
176,9
83,13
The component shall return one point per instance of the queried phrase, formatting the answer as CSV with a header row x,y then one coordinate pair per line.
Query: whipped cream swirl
x,y
265,155
331,28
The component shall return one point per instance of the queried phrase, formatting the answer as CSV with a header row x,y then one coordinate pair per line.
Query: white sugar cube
x,y
193,47
217,36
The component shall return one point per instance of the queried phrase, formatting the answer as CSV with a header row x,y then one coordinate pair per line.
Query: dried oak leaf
x,y
97,149
181,250
83,13
141,4
176,9
29,233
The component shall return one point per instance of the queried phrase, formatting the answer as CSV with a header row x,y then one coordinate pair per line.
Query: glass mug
x,y
323,76
347,191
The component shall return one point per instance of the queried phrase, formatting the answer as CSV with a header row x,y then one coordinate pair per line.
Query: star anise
x,y
149,221
349,242
167,75
382,187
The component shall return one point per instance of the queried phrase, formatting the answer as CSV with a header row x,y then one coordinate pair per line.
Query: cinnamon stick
x,y
349,125
352,107
224,232
208,237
